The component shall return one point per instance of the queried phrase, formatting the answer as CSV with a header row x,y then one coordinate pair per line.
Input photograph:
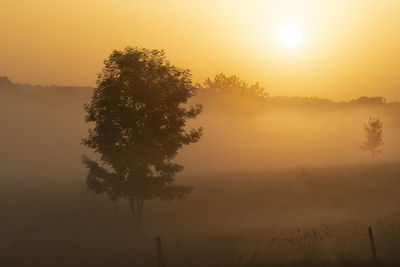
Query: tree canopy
x,y
233,92
139,112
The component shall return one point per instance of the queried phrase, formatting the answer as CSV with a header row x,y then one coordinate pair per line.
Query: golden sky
x,y
349,48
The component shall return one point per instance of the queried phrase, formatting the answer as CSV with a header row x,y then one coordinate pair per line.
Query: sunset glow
x,y
333,45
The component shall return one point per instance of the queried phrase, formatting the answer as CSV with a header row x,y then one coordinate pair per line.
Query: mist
x,y
286,135
267,180
43,128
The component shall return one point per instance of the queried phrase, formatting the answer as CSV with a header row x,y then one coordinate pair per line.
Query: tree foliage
x,y
139,112
232,91
373,136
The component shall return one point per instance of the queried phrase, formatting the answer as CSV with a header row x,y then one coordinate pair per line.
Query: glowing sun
x,y
290,36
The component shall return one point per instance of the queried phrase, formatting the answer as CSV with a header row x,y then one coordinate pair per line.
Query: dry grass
x,y
287,217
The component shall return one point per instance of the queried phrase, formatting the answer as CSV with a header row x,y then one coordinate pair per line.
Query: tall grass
x,y
283,217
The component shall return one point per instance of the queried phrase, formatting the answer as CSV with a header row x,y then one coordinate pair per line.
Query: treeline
x,y
227,92
232,92
9,87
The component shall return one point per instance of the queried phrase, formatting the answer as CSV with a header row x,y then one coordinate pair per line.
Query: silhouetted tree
x,y
5,81
364,100
232,91
233,85
373,136
139,111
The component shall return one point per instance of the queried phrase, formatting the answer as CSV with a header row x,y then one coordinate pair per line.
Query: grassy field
x,y
276,217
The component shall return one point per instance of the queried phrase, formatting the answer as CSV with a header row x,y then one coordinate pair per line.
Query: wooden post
x,y
373,248
160,257
253,258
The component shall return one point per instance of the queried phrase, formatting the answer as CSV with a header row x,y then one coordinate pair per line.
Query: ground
x,y
275,217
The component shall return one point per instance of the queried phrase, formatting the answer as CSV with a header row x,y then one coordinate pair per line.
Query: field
x,y
276,217
264,195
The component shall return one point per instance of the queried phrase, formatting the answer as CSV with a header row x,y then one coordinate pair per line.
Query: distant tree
x,y
5,81
232,89
233,85
139,112
7,86
364,100
373,136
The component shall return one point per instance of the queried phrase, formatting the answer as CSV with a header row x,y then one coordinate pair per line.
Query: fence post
x,y
372,242
253,258
160,257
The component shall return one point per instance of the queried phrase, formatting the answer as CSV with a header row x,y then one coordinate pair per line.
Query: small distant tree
x,y
139,112
373,136
233,85
232,91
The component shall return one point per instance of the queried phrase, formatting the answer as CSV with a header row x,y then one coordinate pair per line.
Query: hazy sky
x,y
349,47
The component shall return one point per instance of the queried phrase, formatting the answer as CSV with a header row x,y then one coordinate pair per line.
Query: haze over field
x,y
245,200
287,132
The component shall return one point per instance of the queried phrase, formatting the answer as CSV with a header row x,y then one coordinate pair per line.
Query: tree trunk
x,y
136,206
133,208
140,207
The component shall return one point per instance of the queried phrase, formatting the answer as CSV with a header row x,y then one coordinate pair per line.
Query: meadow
x,y
276,217
283,186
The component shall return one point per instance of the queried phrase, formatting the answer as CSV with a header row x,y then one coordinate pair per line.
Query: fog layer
x,y
42,128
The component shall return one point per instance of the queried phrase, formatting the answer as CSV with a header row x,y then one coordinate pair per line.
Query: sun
x,y
290,36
